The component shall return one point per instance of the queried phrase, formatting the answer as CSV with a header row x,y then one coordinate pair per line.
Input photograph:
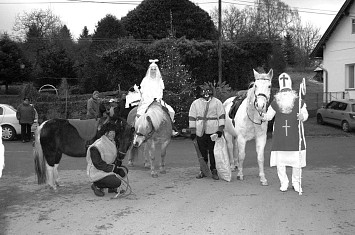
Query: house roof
x,y
344,11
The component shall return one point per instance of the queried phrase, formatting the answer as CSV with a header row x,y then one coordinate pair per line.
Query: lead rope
x,y
127,190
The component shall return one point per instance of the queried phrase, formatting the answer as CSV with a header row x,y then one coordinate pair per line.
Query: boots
x,y
215,174
98,191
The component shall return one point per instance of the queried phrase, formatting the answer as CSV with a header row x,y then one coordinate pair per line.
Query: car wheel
x,y
345,126
8,132
320,119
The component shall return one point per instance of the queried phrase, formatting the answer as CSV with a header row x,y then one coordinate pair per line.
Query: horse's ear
x,y
150,122
256,74
271,74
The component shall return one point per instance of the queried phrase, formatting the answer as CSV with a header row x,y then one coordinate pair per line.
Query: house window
x,y
353,26
350,75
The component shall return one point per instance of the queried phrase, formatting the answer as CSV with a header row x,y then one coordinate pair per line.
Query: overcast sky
x,y
77,15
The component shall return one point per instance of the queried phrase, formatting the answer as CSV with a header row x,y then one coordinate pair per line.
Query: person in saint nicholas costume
x,y
151,88
285,149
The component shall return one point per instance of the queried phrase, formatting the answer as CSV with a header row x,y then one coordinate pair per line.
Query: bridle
x,y
267,98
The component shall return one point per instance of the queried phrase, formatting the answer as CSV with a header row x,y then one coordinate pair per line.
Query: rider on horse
x,y
151,88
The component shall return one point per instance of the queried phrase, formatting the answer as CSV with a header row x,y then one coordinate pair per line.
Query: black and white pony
x,y
71,137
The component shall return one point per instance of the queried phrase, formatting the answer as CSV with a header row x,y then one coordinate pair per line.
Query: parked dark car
x,y
338,112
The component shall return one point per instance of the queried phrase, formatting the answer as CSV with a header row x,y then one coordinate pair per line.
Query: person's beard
x,y
286,100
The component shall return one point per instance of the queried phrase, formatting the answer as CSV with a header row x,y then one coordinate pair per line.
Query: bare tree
x,y
269,18
45,22
306,38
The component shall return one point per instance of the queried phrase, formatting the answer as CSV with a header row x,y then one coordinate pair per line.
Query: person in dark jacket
x,y
26,115
93,106
103,169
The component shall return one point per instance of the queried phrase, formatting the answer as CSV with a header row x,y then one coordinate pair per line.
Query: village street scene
x,y
177,117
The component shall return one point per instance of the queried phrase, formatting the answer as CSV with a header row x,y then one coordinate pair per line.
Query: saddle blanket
x,y
87,129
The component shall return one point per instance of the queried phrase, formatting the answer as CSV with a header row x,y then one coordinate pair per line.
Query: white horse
x,y
248,125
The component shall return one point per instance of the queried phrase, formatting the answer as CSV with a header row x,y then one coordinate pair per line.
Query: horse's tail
x,y
40,162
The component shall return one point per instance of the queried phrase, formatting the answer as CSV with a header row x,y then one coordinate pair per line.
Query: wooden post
x,y
219,41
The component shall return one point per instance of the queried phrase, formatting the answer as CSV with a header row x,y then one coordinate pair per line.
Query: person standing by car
x,y
26,115
285,141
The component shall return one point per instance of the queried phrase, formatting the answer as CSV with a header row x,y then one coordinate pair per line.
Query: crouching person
x,y
102,170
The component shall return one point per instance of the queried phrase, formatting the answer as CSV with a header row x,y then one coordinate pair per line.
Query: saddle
x,y
234,108
87,129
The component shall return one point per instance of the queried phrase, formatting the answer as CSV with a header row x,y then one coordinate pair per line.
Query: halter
x,y
254,104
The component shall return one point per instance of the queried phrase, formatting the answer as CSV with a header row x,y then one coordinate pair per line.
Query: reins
x,y
254,104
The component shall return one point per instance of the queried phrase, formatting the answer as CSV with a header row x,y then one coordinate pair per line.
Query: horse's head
x,y
262,88
124,137
144,130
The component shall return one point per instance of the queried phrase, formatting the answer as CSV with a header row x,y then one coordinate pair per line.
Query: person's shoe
x,y
98,192
112,190
200,175
283,188
215,175
297,188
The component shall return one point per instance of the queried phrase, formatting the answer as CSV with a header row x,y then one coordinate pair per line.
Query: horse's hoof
x,y
155,175
163,171
240,177
264,183
130,163
59,185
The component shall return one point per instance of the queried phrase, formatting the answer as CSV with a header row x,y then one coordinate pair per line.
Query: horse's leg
x,y
241,149
151,154
143,150
131,155
260,145
230,146
56,176
50,177
163,154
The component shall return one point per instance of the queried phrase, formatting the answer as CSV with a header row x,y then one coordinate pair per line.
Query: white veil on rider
x,y
152,87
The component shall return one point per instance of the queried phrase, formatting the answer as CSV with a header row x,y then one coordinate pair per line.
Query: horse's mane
x,y
156,114
251,89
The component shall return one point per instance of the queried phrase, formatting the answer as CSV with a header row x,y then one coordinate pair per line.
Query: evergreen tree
x,y
289,50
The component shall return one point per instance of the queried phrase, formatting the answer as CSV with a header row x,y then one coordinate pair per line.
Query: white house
x,y
337,50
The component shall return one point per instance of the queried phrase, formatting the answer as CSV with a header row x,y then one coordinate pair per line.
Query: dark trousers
x,y
26,131
206,146
110,181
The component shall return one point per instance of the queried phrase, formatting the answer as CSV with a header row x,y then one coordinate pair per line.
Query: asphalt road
x,y
328,151
325,208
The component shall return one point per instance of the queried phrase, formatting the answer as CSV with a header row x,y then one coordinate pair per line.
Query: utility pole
x,y
219,41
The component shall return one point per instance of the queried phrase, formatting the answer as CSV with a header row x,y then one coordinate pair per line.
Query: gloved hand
x,y
300,117
193,136
120,170
219,133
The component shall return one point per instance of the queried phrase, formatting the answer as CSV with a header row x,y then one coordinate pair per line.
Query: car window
x,y
342,106
332,105
353,108
1,111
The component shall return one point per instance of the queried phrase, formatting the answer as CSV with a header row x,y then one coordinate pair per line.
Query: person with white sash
x,y
2,154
